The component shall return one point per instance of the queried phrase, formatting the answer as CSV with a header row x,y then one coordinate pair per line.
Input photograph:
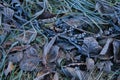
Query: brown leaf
x,y
116,50
47,48
106,52
9,68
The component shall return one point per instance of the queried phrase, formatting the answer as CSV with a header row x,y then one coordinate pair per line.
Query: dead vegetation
x,y
59,40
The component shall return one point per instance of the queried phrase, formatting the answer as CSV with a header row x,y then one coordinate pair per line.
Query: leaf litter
x,y
59,40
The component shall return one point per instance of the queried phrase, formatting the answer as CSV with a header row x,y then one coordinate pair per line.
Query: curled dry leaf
x,y
90,46
10,67
106,52
47,48
15,57
116,50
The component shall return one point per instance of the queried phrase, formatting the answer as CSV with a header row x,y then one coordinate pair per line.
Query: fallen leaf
x,y
90,64
44,74
104,8
29,64
40,77
116,50
74,19
79,74
30,60
106,52
69,72
46,15
31,52
61,59
47,48
53,55
15,57
19,48
105,66
90,46
10,67
73,72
